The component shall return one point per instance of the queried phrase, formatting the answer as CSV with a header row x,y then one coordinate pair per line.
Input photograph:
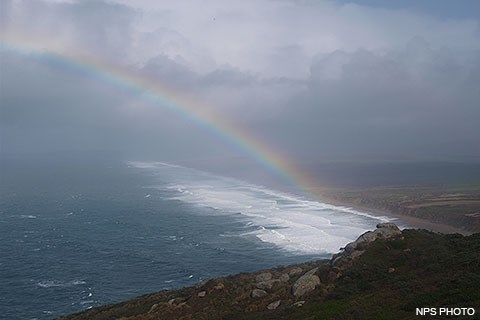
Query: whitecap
x,y
50,284
291,222
58,283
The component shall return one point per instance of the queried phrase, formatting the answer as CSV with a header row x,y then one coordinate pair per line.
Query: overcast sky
x,y
322,80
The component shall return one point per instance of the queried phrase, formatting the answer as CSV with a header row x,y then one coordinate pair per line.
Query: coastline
x,y
399,268
409,222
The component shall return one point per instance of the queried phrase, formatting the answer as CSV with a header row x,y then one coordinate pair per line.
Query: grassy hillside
x,y
389,280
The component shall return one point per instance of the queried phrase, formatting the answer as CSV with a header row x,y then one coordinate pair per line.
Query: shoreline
x,y
409,222
397,276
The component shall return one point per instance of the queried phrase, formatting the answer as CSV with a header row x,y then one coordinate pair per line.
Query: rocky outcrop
x,y
355,249
306,283
401,266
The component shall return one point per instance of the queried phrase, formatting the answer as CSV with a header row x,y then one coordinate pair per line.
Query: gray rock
x,y
202,294
388,225
355,249
384,230
368,236
284,277
295,271
306,283
153,308
257,293
219,286
175,301
311,272
299,303
266,285
263,277
274,305
350,247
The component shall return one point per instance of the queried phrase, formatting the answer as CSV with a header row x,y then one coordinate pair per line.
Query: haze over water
x,y
77,235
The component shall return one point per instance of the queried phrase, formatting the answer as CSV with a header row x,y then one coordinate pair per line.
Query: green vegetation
x,y
389,281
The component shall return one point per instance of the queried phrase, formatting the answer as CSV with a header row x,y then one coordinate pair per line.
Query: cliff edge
x,y
384,274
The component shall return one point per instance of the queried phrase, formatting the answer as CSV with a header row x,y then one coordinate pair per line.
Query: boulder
x,y
263,277
306,283
175,301
219,286
274,305
384,230
388,225
202,294
266,285
299,303
284,277
295,271
355,249
258,293
153,308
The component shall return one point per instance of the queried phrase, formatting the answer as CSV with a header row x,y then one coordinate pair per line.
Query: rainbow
x,y
121,77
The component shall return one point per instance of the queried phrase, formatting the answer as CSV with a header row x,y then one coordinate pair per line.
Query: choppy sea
x,y
74,236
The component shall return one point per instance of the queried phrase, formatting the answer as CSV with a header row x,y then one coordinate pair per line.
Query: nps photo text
x,y
447,311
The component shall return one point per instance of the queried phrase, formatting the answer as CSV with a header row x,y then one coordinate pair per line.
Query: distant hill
x,y
385,274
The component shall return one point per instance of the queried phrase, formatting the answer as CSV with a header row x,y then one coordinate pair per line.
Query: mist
x,y
318,81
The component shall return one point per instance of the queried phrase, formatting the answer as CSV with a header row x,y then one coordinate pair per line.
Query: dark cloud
x,y
336,89
417,102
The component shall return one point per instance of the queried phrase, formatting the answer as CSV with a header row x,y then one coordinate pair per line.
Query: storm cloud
x,y
317,80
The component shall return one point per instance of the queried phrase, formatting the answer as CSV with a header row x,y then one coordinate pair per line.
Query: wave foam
x,y
286,220
57,283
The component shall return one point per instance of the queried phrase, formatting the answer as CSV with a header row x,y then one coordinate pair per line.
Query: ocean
x,y
75,235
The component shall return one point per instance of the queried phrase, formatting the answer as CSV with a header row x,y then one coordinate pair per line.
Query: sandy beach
x,y
402,220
